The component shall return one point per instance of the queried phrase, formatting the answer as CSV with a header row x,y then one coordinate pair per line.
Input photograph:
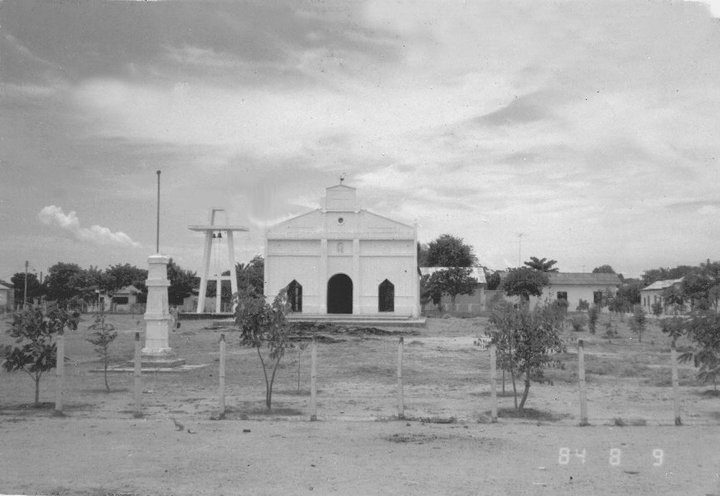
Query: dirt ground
x,y
358,446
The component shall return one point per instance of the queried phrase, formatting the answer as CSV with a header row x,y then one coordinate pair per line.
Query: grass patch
x,y
636,422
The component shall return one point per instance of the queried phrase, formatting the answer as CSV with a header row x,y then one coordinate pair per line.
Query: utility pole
x,y
520,235
25,291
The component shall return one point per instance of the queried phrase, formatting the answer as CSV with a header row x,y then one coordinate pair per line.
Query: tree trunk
x,y
37,390
503,383
525,393
512,376
107,386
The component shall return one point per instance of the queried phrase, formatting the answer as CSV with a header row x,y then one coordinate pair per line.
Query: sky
x,y
583,131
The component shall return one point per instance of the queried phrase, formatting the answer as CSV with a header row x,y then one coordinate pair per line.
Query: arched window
x,y
294,294
386,296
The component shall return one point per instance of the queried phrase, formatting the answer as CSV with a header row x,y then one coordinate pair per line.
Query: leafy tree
x,y
665,273
452,281
251,276
593,316
264,326
525,340
603,269
450,251
638,323
62,281
703,329
101,338
422,253
524,282
541,264
119,276
34,288
35,350
493,280
627,296
182,282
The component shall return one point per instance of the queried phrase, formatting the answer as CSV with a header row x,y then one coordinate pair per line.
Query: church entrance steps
x,y
360,320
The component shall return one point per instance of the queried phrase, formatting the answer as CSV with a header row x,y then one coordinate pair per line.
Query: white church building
x,y
340,259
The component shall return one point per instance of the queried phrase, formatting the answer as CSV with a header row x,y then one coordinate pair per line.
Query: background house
x,y
576,286
473,303
7,297
654,293
124,299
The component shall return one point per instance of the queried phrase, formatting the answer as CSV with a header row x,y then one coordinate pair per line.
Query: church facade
x,y
340,259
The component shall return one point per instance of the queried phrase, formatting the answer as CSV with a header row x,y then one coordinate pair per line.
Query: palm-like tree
x,y
542,264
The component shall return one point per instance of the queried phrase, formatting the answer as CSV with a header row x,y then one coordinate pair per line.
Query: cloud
x,y
52,215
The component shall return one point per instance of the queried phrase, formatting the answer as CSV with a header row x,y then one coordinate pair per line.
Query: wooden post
x,y
401,401
581,381
676,389
221,391
493,380
138,377
60,373
313,378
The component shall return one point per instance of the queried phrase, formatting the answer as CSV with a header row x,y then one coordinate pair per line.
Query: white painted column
x,y
357,283
157,314
205,272
323,275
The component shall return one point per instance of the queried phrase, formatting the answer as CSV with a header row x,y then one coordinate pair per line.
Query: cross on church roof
x,y
342,178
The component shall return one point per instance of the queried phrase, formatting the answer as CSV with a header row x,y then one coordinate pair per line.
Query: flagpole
x,y
157,230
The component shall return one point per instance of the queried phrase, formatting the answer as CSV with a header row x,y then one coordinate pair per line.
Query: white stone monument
x,y
157,351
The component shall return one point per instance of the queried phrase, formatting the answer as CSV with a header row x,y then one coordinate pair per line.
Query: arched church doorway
x,y
386,296
294,294
340,294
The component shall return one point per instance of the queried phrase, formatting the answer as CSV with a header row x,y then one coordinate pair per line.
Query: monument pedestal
x,y
157,352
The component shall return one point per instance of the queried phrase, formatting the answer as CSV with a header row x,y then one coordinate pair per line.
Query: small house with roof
x,y
7,296
655,293
473,303
341,259
576,286
123,299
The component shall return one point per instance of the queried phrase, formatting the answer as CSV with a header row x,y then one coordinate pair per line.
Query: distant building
x,y
123,299
654,293
473,303
340,259
576,286
7,296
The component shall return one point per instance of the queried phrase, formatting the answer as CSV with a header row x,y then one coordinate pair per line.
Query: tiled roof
x,y
658,285
6,284
582,278
475,272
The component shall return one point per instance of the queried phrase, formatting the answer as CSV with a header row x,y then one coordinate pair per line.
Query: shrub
x,y
583,306
578,322
593,315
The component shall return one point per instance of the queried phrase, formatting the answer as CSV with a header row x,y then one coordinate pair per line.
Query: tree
x,y
63,280
493,280
603,269
525,340
34,288
452,281
627,296
264,326
251,276
638,323
703,329
101,338
665,273
35,350
449,251
119,276
182,282
524,282
541,264
422,252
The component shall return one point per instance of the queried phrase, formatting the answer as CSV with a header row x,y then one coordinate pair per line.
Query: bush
x,y
578,322
583,305
593,315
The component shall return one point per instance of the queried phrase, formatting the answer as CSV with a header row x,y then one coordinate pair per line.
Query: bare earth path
x,y
138,457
